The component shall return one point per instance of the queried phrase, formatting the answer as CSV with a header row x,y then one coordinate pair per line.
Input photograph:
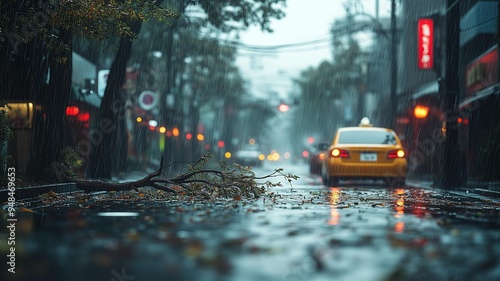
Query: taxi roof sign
x,y
365,122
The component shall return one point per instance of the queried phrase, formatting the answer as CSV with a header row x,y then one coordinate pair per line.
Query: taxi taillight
x,y
342,153
397,153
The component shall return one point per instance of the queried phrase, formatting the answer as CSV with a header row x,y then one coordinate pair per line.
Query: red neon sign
x,y
425,44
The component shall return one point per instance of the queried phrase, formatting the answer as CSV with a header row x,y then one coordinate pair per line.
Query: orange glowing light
x,y
399,227
334,216
321,156
421,111
175,132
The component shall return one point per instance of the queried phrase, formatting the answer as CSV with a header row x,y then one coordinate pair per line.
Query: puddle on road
x,y
117,214
294,234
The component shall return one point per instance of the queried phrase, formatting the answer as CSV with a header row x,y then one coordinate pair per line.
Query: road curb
x,y
34,191
464,191
487,192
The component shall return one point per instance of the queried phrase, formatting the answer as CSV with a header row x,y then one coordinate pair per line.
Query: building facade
x,y
477,103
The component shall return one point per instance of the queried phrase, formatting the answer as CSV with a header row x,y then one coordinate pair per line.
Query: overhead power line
x,y
310,45
302,49
298,49
277,47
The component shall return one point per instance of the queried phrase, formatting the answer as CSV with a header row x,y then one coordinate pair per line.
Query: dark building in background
x,y
479,95
419,88
477,98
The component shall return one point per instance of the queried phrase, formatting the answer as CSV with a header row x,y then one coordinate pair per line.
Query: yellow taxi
x,y
365,152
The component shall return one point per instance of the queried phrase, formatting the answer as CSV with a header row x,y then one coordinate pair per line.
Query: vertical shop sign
x,y
425,44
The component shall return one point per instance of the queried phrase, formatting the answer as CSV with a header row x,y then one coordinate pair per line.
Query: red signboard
x,y
482,72
425,51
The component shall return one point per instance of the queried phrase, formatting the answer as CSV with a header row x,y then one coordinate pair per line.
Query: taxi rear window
x,y
367,137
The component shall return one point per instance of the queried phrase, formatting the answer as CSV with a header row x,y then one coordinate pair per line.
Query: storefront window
x,y
20,115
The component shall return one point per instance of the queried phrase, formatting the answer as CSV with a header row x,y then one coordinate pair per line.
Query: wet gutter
x,y
34,191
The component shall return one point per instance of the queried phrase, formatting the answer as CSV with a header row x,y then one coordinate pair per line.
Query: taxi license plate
x,y
368,157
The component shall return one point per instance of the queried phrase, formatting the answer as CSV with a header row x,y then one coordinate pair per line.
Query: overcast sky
x,y
270,71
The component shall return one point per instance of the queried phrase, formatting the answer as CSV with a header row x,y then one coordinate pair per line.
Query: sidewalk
x,y
488,189
26,192
34,190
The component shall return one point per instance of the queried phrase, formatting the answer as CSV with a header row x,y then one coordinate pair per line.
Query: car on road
x,y
365,152
316,158
248,157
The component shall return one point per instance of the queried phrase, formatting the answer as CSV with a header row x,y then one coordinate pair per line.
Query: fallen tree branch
x,y
231,180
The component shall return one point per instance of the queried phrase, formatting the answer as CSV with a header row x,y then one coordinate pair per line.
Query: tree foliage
x,y
225,15
210,70
35,45
322,90
229,15
96,19
318,93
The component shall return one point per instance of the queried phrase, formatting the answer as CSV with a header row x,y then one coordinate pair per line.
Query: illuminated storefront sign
x,y
425,44
483,72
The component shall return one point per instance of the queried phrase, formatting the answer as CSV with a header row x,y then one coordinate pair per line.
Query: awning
x,y
493,89
427,89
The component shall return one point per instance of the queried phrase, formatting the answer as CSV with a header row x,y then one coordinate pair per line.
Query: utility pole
x,y
452,159
393,95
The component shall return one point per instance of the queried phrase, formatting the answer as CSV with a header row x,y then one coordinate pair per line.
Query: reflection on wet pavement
x,y
303,232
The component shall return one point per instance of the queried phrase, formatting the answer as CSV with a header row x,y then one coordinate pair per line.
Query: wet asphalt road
x,y
357,231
